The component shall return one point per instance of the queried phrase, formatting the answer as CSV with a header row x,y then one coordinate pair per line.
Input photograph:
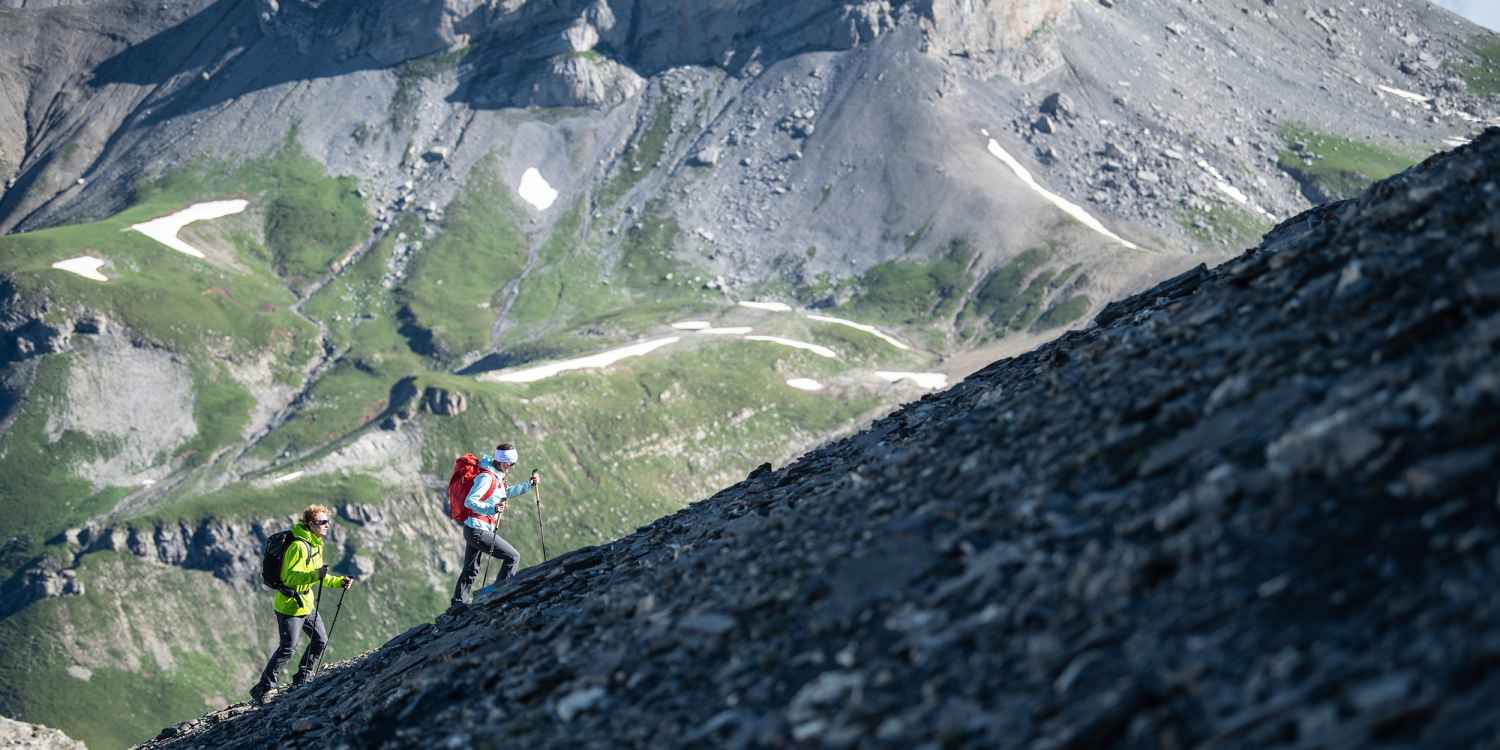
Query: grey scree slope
x,y
1252,507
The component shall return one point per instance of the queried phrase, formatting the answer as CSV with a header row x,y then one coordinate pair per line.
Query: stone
x,y
579,701
444,402
1059,105
707,156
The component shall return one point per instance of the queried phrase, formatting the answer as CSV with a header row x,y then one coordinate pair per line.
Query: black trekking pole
x,y
318,599
329,638
540,535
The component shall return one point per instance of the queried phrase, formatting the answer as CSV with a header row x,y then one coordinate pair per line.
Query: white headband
x,y
507,457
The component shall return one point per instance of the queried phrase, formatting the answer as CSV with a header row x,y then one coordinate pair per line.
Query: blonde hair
x,y
313,510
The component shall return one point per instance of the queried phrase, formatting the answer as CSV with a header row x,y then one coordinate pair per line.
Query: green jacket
x,y
299,571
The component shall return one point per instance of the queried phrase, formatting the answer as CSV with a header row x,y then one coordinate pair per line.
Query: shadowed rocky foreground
x,y
1252,507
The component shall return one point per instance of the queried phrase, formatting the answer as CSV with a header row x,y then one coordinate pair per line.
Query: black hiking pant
x,y
290,629
479,542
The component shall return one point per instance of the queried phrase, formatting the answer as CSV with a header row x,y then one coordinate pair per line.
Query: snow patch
x,y
284,478
80,673
821,351
771,306
593,361
1235,194
731,331
535,190
165,229
872,330
1067,207
692,325
1407,95
929,380
805,384
86,266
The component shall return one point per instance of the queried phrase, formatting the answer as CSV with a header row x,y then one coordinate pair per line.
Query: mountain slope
x,y
1250,507
417,202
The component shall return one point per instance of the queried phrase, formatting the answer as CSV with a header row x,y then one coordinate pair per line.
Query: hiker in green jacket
x,y
302,569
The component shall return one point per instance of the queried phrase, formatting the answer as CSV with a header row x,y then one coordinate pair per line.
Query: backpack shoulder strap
x,y
493,485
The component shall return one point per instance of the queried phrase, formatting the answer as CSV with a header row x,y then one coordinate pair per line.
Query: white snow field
x,y
1067,206
731,331
771,306
534,189
805,384
929,380
593,361
165,229
86,266
692,325
821,351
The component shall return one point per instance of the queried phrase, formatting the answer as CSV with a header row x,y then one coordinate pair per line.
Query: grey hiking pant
x,y
290,629
479,542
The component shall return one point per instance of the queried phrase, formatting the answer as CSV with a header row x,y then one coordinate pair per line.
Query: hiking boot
x,y
456,608
299,680
258,694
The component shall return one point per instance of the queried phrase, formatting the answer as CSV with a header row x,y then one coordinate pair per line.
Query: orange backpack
x,y
465,471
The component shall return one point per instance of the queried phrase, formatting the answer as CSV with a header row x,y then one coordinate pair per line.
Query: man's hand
x,y
500,508
348,582
536,479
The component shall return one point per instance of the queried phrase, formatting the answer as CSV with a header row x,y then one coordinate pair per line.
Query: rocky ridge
x,y
1254,506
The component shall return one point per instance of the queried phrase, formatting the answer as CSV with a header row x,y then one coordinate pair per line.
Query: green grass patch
x,y
567,284
178,302
349,395
1221,224
913,291
1063,313
1027,293
313,221
1482,74
1005,293
454,286
624,446
311,218
221,409
1332,167
642,156
646,254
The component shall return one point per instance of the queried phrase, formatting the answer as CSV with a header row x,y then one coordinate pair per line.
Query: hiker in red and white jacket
x,y
486,501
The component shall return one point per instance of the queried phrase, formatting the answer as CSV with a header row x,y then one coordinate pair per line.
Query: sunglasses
x,y
322,522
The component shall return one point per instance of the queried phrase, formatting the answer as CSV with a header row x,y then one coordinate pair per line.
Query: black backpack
x,y
271,555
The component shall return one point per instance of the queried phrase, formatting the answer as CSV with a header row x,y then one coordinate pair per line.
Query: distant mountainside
x,y
1250,507
260,254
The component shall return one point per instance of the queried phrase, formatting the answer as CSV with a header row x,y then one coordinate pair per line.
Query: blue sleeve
x,y
518,489
475,501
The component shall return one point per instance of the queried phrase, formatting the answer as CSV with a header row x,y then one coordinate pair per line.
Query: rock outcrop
x,y
18,734
1254,506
